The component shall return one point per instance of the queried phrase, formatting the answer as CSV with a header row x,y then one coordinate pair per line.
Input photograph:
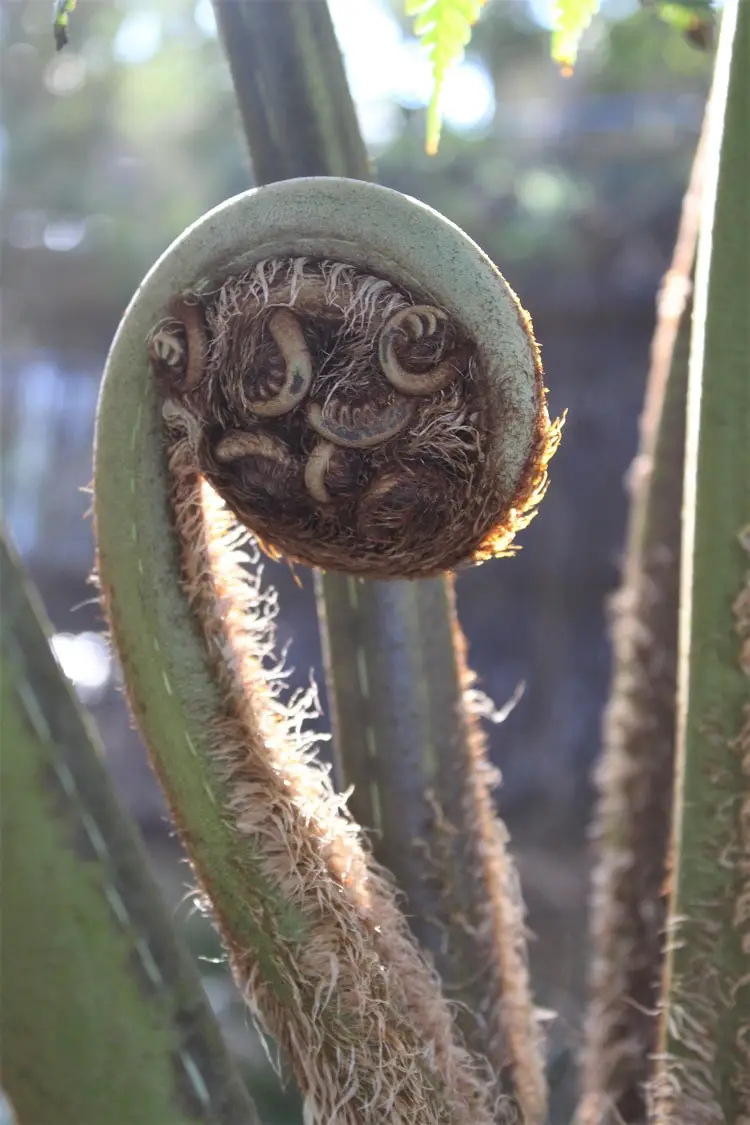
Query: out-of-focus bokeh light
x,y
85,660
139,37
385,65
6,1113
65,74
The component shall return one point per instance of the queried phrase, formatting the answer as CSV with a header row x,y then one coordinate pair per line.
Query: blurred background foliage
x,y
572,185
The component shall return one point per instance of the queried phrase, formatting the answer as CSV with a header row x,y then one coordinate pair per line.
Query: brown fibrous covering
x,y
335,976
349,424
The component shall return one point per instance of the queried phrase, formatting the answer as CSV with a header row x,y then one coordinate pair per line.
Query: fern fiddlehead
x,y
348,426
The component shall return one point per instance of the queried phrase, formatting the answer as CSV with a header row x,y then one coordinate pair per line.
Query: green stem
x,y
396,669
292,93
637,768
703,1058
103,1010
395,656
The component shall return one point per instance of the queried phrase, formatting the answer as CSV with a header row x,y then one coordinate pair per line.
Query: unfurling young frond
x,y
444,28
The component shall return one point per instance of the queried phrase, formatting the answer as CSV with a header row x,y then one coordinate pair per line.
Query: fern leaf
x,y
444,28
694,18
63,8
570,20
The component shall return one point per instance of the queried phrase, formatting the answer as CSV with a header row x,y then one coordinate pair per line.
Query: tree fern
x,y
444,28
570,20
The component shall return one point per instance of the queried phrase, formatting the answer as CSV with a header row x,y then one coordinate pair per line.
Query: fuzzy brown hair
x,y
349,424
366,1030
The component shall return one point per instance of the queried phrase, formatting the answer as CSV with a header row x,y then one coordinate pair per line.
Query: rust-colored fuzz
x,y
346,422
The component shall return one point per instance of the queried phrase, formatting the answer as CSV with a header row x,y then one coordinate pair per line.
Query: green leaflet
x,y
694,18
570,20
63,8
444,28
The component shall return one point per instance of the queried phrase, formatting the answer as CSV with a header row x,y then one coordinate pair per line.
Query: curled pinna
x,y
358,381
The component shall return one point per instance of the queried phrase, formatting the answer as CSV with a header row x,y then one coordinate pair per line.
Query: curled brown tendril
x,y
407,326
316,468
287,334
349,423
360,427
264,470
179,346
240,443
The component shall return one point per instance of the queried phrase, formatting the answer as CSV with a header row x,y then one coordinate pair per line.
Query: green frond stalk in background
x,y
702,1070
103,1010
570,18
444,28
632,824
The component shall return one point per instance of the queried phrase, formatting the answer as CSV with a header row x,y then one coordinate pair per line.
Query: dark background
x,y
572,185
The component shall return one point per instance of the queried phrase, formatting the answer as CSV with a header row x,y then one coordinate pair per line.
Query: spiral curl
x,y
349,424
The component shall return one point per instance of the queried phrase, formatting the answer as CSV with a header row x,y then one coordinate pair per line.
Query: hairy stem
x,y
395,656
702,1072
101,1005
315,938
636,773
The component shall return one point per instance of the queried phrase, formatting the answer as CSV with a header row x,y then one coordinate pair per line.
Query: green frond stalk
x,y
636,773
314,934
104,1017
306,124
703,1066
315,938
395,656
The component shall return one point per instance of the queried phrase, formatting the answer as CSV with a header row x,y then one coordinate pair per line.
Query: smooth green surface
x,y
708,985
104,1018
395,676
305,125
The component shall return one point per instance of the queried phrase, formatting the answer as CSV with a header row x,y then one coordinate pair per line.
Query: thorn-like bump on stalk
x,y
410,323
